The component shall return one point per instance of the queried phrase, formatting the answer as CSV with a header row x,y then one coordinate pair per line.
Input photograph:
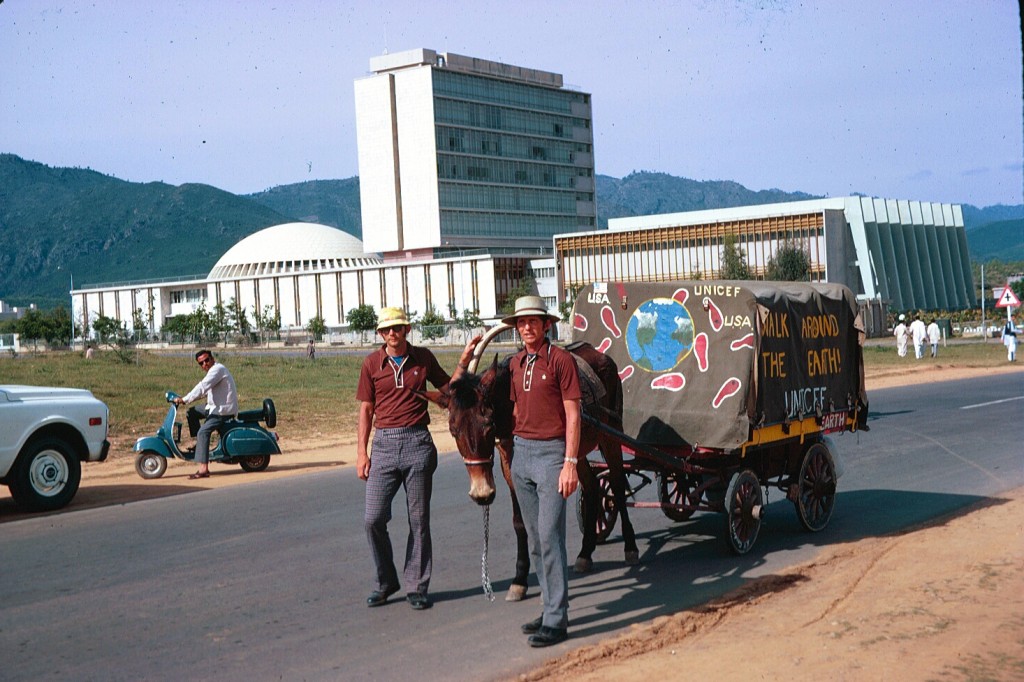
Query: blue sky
x,y
897,98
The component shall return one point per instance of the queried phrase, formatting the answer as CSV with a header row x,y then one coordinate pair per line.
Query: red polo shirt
x,y
392,391
539,386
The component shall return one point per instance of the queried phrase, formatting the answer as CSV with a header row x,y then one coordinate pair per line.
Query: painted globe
x,y
659,334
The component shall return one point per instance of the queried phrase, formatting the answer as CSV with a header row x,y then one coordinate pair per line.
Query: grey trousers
x,y
213,422
536,466
401,457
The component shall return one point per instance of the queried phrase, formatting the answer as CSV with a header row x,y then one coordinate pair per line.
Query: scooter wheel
x,y
149,464
254,462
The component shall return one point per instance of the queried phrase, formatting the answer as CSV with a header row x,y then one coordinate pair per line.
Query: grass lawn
x,y
314,399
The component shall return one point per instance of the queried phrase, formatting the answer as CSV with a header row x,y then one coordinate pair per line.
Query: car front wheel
x,y
46,475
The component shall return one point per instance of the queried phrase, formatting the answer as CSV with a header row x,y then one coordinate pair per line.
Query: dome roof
x,y
292,248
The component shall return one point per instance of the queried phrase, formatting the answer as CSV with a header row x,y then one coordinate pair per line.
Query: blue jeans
x,y
536,466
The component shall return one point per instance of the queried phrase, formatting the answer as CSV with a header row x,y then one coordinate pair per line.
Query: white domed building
x,y
307,270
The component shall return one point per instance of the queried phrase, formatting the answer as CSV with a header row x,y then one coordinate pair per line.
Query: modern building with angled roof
x,y
907,254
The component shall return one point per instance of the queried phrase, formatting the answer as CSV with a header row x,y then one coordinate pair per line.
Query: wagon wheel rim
x,y
678,489
608,512
744,509
816,497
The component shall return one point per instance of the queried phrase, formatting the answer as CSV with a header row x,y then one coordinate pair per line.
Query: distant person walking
x,y
933,337
1010,331
901,337
918,333
311,350
90,353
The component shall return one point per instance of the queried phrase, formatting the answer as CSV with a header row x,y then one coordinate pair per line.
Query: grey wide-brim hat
x,y
530,306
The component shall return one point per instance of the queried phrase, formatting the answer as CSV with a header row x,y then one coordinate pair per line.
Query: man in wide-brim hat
x,y
546,392
403,453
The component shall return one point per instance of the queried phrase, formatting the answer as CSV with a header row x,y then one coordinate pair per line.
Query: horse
x,y
480,419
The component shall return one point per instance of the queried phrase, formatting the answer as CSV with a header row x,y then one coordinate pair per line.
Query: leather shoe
x,y
418,600
547,636
379,598
533,626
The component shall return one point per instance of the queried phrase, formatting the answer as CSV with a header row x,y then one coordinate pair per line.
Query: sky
x,y
905,99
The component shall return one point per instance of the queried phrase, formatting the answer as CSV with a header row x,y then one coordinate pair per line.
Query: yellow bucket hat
x,y
391,317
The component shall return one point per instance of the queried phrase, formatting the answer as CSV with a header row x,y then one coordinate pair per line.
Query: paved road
x,y
267,581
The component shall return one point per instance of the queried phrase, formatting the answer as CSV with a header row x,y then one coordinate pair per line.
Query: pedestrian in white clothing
x,y
901,337
933,337
918,334
1010,331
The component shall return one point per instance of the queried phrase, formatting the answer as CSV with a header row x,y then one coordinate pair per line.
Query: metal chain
x,y
488,590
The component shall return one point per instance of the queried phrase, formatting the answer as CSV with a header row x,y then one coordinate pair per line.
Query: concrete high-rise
x,y
459,153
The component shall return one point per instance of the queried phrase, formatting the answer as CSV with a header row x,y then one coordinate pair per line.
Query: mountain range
x,y
64,225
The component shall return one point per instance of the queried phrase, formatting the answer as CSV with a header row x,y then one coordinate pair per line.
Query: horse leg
x,y
517,590
612,452
590,496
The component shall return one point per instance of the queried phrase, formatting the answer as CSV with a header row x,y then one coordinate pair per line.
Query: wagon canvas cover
x,y
703,363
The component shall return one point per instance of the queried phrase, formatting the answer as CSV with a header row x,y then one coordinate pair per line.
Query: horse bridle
x,y
471,368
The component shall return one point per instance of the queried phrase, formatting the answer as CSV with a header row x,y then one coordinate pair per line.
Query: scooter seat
x,y
250,416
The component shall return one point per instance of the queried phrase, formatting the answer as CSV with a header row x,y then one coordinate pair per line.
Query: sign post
x,y
1008,300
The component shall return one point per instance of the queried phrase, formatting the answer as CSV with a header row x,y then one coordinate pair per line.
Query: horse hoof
x,y
632,558
516,593
583,565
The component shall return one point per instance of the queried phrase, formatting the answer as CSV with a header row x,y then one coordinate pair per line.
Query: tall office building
x,y
459,153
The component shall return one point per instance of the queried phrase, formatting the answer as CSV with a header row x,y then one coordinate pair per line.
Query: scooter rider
x,y
221,405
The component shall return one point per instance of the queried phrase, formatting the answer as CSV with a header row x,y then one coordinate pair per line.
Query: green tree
x,y
108,329
139,324
267,322
789,264
525,287
238,320
734,263
317,327
218,321
362,318
1018,288
566,306
470,320
57,326
431,324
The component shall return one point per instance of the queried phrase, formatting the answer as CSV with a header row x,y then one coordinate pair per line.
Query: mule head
x,y
471,422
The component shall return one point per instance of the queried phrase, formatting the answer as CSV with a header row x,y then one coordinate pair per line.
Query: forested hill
x,y
59,223
649,193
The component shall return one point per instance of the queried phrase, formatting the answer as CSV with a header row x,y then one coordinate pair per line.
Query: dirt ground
x,y
943,602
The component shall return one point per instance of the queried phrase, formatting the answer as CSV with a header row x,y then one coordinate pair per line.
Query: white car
x,y
45,435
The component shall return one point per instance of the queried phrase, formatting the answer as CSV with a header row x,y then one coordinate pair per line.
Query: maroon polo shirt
x,y
392,392
538,388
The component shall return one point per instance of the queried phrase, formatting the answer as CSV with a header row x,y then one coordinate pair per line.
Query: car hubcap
x,y
49,474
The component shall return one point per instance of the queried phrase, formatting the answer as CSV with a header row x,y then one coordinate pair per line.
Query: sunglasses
x,y
205,361
392,330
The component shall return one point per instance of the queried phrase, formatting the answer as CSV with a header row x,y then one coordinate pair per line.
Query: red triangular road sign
x,y
1008,299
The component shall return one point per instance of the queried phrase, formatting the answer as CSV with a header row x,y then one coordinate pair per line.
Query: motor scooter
x,y
243,441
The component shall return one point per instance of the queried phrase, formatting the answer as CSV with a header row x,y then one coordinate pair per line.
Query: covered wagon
x,y
730,387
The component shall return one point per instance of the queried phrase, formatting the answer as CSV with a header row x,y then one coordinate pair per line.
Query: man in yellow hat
x,y
403,451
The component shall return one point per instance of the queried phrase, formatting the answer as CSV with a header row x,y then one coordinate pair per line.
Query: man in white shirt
x,y
221,405
918,334
901,337
933,337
